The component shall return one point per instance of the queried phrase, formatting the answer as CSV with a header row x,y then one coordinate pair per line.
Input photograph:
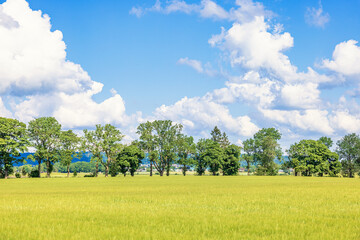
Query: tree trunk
x,y
161,173
48,169
124,174
184,170
6,173
132,173
39,167
214,173
107,169
168,169
151,168
248,171
96,169
68,171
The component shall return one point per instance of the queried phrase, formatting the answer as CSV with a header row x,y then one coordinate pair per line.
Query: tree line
x,y
164,143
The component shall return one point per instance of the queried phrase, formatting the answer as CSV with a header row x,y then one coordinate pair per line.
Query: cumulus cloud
x,y
316,16
304,96
200,113
38,78
346,58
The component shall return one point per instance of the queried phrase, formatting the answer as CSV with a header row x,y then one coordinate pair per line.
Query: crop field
x,y
177,207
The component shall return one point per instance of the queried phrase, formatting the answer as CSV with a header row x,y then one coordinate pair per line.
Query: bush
x,y
90,175
17,175
34,173
75,173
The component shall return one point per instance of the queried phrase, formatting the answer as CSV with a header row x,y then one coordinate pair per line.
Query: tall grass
x,y
179,207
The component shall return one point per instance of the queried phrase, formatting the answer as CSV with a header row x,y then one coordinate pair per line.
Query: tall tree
x,y
219,137
111,138
327,141
13,142
266,150
348,149
165,138
248,157
200,163
92,143
186,151
147,140
69,148
129,159
231,161
44,134
310,157
213,156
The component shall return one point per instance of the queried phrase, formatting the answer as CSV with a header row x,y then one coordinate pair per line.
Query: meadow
x,y
177,207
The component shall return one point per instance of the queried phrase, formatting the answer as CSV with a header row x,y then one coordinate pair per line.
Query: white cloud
x,y
3,110
301,95
343,120
311,120
40,81
346,59
202,113
195,64
210,9
316,17
246,11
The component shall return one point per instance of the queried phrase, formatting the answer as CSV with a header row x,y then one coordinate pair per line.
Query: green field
x,y
179,207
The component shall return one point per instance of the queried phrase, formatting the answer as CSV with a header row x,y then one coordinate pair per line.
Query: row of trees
x,y
164,143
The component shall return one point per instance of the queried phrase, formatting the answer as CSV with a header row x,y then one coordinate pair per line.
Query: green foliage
x,y
310,157
104,139
13,142
69,148
44,134
200,162
327,141
266,149
213,156
348,149
165,142
248,156
34,173
186,150
17,175
231,161
220,138
75,173
129,159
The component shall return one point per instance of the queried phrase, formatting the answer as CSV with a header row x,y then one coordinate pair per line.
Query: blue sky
x,y
241,65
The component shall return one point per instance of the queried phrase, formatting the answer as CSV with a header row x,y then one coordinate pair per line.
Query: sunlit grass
x,y
179,207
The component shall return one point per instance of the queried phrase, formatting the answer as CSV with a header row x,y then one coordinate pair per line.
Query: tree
x,y
165,139
13,142
213,156
231,162
147,141
111,146
129,159
310,157
248,157
266,150
220,138
200,163
69,148
348,149
44,134
186,149
92,143
327,141
104,139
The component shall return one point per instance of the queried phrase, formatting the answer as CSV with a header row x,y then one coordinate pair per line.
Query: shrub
x,y
89,175
75,173
17,175
34,173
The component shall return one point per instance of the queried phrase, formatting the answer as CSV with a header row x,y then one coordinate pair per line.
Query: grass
x,y
179,207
